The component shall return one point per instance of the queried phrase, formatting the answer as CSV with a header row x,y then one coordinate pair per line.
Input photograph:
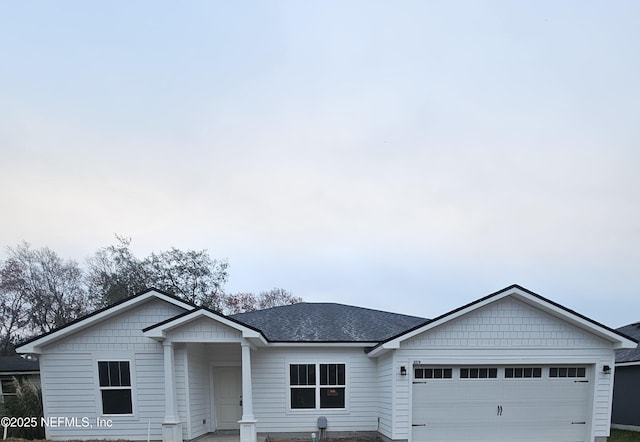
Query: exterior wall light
x,y
606,369
403,370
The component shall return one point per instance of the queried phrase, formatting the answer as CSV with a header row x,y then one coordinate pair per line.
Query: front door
x,y
227,393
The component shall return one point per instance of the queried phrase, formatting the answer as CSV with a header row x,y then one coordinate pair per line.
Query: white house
x,y
511,366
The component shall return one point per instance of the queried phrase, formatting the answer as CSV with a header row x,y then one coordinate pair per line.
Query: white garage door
x,y
513,403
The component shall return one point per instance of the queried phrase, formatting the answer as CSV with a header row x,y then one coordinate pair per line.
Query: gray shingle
x,y
629,354
16,364
327,322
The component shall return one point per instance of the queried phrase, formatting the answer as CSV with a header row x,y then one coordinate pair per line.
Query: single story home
x,y
626,387
511,366
16,368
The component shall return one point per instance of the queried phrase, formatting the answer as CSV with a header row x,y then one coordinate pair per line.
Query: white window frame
x,y
2,393
317,387
102,388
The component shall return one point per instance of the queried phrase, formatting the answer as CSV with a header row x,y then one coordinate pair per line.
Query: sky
x,y
408,156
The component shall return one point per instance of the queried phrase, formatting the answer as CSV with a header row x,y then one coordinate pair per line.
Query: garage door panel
x,y
465,430
501,409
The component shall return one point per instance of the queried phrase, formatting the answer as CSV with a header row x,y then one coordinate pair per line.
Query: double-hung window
x,y
316,386
115,387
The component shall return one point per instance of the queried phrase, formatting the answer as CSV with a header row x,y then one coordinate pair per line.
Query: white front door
x,y
227,382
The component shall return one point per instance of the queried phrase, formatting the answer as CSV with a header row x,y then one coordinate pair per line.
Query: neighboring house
x,y
14,368
626,389
508,367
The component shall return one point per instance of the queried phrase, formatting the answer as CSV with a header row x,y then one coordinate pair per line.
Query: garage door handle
x,y
578,423
418,425
499,412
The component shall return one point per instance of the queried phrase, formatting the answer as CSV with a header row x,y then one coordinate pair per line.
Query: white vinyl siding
x,y
199,394
385,394
270,371
149,368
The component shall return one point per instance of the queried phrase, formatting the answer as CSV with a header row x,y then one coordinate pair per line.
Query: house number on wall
x,y
417,362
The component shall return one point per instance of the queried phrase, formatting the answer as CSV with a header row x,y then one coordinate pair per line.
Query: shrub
x,y
26,403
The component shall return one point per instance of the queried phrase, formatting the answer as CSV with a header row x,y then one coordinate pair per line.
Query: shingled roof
x,y
629,354
17,364
327,322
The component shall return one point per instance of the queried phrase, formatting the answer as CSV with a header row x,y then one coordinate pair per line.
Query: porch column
x,y
248,431
171,428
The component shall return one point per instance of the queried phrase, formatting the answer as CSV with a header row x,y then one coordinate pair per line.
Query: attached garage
x,y
491,403
512,366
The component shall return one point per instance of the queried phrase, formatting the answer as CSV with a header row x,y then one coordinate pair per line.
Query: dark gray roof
x,y
629,354
16,364
327,322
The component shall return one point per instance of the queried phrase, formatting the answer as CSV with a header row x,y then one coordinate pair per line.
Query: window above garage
x,y
479,373
433,373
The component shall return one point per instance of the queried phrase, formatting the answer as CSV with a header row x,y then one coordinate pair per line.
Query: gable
x,y
516,331
35,345
506,323
203,329
119,332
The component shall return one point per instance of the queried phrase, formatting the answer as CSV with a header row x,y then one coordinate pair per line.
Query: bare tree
x,y
246,301
240,302
38,283
14,316
276,297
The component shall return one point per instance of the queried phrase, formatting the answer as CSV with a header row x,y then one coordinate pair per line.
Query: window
x,y
567,372
523,372
7,387
478,373
115,387
327,388
433,373
302,376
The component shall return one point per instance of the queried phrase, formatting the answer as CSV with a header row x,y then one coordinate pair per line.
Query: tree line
x,y
40,291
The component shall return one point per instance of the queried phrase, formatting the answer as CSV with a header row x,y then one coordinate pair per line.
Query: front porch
x,y
207,377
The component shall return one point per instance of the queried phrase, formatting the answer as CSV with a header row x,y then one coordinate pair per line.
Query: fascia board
x,y
161,331
619,342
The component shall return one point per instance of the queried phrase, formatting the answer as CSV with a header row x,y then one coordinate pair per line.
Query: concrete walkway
x,y
225,436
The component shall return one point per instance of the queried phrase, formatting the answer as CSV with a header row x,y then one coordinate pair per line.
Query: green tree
x,y
191,275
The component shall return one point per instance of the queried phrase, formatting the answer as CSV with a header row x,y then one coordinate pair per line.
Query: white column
x,y
248,423
247,394
171,428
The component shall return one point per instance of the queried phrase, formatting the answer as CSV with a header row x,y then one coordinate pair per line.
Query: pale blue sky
x,y
409,156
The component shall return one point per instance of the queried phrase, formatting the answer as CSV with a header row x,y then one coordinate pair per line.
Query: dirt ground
x,y
330,439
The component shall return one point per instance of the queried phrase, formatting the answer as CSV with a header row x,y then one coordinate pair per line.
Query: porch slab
x,y
225,436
